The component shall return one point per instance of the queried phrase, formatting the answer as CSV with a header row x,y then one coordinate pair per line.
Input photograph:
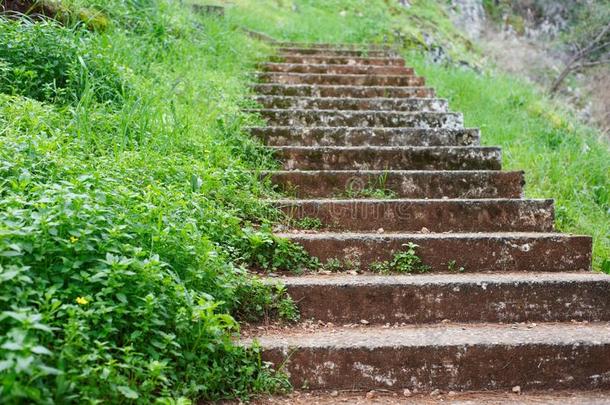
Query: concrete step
x,y
312,45
449,357
337,60
336,69
340,80
413,215
397,397
307,90
365,136
344,104
401,183
388,119
475,252
335,52
432,298
389,158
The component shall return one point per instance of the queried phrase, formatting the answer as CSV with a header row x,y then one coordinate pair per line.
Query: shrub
x,y
48,62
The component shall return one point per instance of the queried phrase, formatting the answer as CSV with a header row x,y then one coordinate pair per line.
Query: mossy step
x,y
351,118
340,79
338,60
365,136
348,103
399,183
434,298
455,357
388,158
309,90
413,215
335,69
335,52
475,252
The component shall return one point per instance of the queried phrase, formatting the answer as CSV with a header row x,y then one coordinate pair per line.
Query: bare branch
x,y
591,64
579,59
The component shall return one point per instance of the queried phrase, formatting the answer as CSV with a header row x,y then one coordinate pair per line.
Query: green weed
x,y
405,261
373,189
310,223
127,223
48,62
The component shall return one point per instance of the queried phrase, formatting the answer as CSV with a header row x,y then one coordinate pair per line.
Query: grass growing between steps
x,y
423,25
128,211
562,158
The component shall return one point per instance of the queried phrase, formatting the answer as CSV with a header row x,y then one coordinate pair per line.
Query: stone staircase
x,y
505,302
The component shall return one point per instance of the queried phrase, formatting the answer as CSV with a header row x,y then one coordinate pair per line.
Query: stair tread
x,y
339,86
385,397
372,337
348,112
295,201
389,171
403,99
299,74
415,235
358,280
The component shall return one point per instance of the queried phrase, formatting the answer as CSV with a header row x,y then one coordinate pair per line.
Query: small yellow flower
x,y
73,239
82,301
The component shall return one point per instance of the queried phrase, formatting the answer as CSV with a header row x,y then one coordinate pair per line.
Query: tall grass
x,y
126,224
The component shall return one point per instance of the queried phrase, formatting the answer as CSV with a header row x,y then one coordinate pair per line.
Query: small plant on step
x,y
377,193
452,266
264,251
308,223
374,189
261,302
405,261
333,265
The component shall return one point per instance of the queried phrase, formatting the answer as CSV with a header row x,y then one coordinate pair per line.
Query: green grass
x,y
424,25
127,222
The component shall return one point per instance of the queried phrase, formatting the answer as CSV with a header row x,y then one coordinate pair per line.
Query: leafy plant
x,y
48,62
310,223
373,189
452,266
405,261
332,264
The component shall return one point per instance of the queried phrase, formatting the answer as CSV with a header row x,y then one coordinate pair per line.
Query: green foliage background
x,y
129,208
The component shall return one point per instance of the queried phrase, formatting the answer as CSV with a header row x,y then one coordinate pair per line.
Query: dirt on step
x,y
461,398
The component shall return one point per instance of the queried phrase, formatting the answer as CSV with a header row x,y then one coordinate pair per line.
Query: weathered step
x,y
412,215
486,297
333,118
367,104
334,52
341,80
337,60
308,90
475,252
389,158
365,136
337,69
374,47
402,183
448,357
391,397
